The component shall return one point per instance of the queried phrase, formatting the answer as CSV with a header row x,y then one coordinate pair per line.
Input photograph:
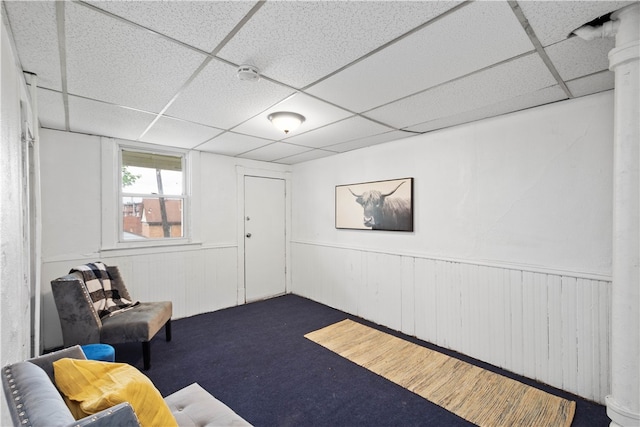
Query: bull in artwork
x,y
382,212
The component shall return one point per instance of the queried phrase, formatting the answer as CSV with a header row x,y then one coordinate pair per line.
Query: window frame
x,y
122,194
113,229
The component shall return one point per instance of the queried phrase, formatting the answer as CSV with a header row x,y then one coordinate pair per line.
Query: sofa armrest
x,y
120,415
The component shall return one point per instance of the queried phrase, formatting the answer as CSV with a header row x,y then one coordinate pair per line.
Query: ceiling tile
x,y
232,144
51,109
217,97
178,133
592,84
274,151
490,86
474,37
575,57
355,144
414,65
202,24
553,21
317,113
300,42
36,35
99,118
121,64
305,157
345,130
528,100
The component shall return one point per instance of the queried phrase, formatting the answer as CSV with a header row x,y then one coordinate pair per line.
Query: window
x,y
152,195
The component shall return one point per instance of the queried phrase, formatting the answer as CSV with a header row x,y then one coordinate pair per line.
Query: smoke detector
x,y
248,73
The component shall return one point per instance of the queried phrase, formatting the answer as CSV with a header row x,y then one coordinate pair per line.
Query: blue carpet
x,y
256,360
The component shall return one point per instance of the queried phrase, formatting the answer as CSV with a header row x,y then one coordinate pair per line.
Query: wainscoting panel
x,y
408,296
380,297
548,326
195,281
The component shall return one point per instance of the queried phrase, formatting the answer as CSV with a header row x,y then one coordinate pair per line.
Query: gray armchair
x,y
82,325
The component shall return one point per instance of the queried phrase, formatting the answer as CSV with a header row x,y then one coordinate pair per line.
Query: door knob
x,y
248,235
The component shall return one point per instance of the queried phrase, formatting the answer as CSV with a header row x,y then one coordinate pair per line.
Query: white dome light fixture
x,y
286,121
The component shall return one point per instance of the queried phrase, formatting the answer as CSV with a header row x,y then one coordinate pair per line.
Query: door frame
x,y
241,172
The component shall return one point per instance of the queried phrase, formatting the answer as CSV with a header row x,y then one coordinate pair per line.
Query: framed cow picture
x,y
379,205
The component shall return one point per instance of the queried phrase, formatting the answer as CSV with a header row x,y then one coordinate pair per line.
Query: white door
x,y
264,237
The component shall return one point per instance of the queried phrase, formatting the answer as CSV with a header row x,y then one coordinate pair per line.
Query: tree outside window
x,y
153,196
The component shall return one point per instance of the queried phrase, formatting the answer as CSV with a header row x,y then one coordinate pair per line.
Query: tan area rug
x,y
475,394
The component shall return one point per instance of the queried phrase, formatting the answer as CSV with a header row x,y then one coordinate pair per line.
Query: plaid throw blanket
x,y
106,300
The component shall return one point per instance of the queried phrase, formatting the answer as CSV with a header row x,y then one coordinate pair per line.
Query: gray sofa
x,y
34,400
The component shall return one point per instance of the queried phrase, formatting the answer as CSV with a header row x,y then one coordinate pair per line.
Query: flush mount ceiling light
x,y
286,121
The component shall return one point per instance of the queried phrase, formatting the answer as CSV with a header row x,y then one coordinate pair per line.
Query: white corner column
x,y
623,404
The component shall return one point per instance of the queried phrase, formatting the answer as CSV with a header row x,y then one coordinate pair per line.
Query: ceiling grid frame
x,y
539,48
552,23
62,51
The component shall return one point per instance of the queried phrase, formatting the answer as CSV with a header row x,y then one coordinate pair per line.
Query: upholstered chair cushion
x,y
139,323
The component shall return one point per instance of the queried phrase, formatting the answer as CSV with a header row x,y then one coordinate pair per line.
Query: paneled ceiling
x,y
361,72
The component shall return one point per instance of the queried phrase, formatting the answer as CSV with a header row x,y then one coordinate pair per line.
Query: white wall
x,y
15,326
197,278
510,260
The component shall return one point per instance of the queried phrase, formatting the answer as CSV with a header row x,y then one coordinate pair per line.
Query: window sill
x,y
127,248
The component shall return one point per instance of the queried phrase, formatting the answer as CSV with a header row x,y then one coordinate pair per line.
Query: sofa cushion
x,y
34,399
194,406
92,386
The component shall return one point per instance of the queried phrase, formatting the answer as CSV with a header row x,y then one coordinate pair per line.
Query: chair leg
x,y
167,330
146,354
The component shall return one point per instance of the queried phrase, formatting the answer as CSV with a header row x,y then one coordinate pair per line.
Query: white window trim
x,y
112,199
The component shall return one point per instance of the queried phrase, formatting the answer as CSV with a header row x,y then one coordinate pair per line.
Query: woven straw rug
x,y
475,394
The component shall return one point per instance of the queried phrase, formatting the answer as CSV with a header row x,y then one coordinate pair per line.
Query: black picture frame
x,y
377,205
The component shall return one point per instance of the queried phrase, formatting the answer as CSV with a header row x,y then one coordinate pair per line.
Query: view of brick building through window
x,y
152,195
144,219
